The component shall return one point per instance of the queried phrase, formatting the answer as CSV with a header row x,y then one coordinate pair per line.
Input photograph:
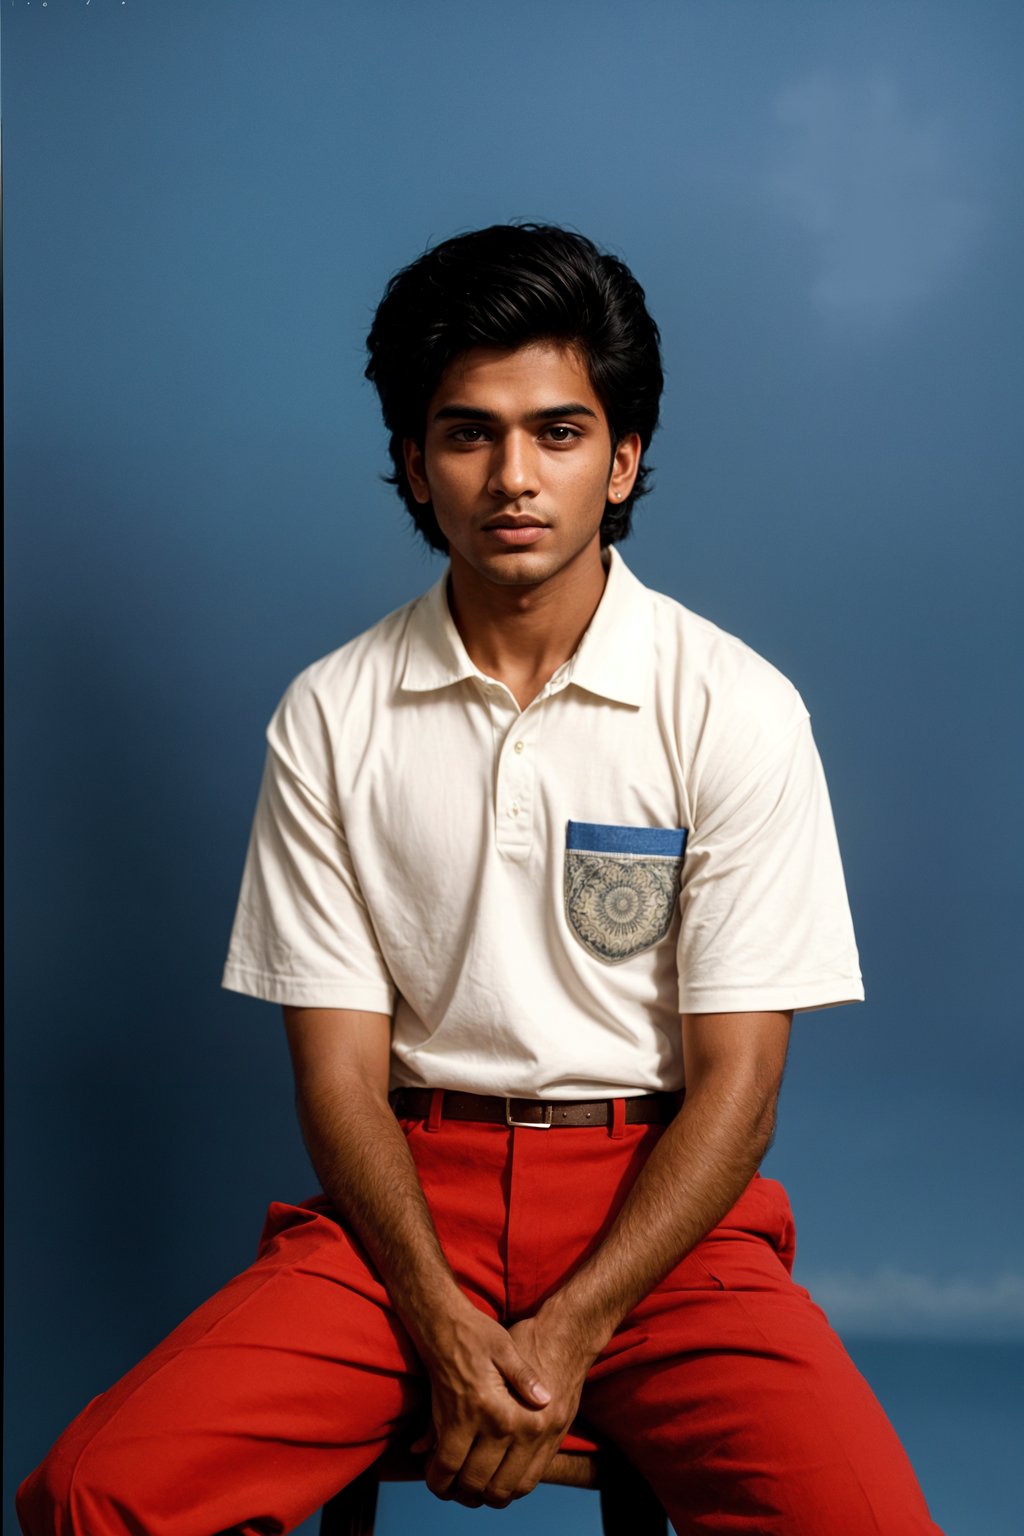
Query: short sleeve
x,y
765,921
302,933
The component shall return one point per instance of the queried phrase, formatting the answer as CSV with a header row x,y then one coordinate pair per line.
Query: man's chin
x,y
519,572
511,567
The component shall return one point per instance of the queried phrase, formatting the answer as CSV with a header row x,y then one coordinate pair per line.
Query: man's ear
x,y
416,470
625,466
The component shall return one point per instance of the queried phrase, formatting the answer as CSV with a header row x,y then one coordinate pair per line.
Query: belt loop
x,y
618,1120
436,1105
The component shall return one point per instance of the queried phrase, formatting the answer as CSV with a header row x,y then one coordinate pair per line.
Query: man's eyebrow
x,y
458,412
555,412
463,413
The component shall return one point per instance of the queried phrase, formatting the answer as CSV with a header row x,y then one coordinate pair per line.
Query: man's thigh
x,y
730,1391
267,1399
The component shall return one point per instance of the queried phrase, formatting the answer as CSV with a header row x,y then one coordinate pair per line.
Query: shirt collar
x,y
614,657
612,660
435,655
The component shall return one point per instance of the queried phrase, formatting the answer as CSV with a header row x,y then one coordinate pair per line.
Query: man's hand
x,y
496,1427
485,1392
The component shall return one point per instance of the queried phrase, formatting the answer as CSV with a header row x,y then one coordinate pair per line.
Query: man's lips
x,y
516,531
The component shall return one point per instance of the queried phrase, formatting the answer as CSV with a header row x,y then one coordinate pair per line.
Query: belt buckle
x,y
529,1125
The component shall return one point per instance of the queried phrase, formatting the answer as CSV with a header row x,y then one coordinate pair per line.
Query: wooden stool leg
x,y
352,1511
629,1506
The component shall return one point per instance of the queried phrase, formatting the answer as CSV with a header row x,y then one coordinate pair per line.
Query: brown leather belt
x,y
541,1114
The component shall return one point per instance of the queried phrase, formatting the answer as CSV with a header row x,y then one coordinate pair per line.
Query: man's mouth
x,y
515,532
510,520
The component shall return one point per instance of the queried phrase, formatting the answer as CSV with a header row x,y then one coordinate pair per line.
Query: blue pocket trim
x,y
598,837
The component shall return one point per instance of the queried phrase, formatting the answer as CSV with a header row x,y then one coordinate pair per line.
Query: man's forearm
x,y
701,1165
482,1385
365,1168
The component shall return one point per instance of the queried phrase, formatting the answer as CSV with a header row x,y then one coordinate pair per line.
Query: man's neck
x,y
521,635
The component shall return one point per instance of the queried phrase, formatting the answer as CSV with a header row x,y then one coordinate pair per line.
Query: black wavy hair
x,y
507,286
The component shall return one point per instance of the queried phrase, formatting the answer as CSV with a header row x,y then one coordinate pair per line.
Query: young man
x,y
542,866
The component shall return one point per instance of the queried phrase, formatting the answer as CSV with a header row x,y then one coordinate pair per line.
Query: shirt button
x,y
518,746
513,809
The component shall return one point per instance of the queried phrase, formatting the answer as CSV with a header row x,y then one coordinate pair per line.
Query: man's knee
x,y
42,1501
76,1492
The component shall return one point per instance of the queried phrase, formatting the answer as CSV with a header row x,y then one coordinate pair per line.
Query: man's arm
x,y
701,1165
699,1168
340,1058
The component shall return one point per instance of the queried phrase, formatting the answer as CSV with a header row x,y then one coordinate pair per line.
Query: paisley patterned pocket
x,y
621,886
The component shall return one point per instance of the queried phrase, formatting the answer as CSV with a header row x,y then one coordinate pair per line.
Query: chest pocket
x,y
621,886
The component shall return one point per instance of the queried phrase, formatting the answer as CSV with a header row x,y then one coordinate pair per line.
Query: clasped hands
x,y
501,1402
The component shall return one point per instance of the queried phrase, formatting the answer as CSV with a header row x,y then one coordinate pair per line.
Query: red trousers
x,y
726,1386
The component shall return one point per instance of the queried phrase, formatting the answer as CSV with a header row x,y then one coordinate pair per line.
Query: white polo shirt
x,y
535,895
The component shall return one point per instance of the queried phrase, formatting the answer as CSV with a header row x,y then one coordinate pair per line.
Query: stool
x,y
628,1504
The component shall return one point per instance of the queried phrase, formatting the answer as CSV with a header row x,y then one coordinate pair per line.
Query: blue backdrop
x,y
203,203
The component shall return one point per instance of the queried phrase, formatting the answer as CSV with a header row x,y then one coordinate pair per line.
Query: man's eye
x,y
468,434
563,434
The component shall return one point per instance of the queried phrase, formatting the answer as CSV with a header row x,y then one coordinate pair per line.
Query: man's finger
x,y
536,1468
522,1376
446,1463
517,1475
470,1486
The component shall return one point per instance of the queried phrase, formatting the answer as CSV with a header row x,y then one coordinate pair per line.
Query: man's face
x,y
517,460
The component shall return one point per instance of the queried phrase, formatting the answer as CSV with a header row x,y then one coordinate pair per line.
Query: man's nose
x,y
514,468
